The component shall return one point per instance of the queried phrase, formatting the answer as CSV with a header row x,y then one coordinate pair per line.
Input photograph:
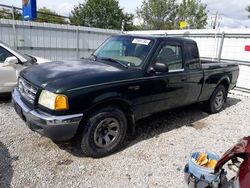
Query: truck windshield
x,y
131,51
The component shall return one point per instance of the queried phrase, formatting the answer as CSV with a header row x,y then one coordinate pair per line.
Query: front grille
x,y
27,90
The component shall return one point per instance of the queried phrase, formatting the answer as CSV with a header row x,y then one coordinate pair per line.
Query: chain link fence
x,y
52,41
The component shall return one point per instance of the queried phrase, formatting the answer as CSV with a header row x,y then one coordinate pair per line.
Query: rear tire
x,y
217,100
104,132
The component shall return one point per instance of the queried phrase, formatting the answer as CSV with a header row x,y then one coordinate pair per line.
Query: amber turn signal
x,y
61,102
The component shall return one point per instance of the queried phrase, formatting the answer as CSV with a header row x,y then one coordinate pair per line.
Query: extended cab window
x,y
4,54
171,55
193,56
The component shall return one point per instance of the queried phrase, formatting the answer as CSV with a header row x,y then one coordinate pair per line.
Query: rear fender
x,y
225,80
209,88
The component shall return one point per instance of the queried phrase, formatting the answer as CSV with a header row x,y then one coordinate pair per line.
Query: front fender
x,y
110,96
115,98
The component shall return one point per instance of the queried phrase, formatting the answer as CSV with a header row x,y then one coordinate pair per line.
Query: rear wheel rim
x,y
219,100
107,132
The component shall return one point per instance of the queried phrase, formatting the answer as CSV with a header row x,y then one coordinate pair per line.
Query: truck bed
x,y
208,64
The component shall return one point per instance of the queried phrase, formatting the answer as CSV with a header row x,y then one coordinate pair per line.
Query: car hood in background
x,y
41,60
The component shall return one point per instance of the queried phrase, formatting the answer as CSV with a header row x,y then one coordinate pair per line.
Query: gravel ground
x,y
154,157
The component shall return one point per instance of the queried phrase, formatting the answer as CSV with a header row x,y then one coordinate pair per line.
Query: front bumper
x,y
60,128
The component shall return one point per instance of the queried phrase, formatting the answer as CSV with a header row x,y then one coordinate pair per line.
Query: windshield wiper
x,y
94,56
114,61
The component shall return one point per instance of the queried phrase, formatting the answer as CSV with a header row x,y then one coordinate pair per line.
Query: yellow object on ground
x,y
204,161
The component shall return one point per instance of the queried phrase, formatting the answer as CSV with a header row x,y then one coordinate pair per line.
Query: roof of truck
x,y
177,39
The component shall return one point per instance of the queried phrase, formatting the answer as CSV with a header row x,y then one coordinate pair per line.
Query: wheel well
x,y
120,104
225,84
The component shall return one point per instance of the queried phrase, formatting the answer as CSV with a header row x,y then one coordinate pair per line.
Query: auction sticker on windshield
x,y
141,41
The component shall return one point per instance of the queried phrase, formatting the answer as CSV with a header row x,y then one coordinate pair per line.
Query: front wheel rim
x,y
219,100
107,132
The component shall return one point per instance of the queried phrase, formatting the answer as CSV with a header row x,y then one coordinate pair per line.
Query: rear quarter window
x,y
193,56
193,51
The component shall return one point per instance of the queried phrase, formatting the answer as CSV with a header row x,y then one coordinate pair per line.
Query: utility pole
x,y
13,13
216,20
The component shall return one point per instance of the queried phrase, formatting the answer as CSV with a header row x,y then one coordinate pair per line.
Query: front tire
x,y
217,100
104,132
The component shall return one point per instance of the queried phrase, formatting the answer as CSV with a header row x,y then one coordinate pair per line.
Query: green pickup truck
x,y
127,78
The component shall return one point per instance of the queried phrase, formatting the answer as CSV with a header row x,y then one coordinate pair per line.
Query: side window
x,y
170,55
4,54
193,55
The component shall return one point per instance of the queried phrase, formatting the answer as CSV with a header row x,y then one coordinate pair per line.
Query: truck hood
x,y
61,76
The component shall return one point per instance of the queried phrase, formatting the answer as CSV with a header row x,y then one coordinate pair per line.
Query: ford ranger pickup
x,y
127,78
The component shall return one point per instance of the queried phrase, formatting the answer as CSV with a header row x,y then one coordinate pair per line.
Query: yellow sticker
x,y
183,24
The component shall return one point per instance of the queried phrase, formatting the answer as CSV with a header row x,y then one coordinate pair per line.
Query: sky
x,y
232,12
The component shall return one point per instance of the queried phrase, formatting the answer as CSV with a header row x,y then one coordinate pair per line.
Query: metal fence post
x,y
221,45
77,42
14,28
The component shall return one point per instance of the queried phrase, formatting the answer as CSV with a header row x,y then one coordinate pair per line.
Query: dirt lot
x,y
154,157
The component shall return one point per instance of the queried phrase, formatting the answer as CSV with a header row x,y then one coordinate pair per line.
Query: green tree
x,y
46,15
102,14
158,14
128,22
194,13
7,14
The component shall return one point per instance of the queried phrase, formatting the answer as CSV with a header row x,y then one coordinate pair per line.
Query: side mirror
x,y
160,67
11,60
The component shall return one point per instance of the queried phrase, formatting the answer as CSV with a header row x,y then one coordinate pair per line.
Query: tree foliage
x,y
158,14
128,22
7,14
167,14
49,16
102,14
44,15
194,13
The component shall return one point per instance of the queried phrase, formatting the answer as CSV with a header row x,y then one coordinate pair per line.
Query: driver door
x,y
8,73
166,90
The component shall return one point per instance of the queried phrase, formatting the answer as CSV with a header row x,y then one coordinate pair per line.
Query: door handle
x,y
135,88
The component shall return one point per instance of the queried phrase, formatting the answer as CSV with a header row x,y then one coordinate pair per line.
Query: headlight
x,y
53,101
